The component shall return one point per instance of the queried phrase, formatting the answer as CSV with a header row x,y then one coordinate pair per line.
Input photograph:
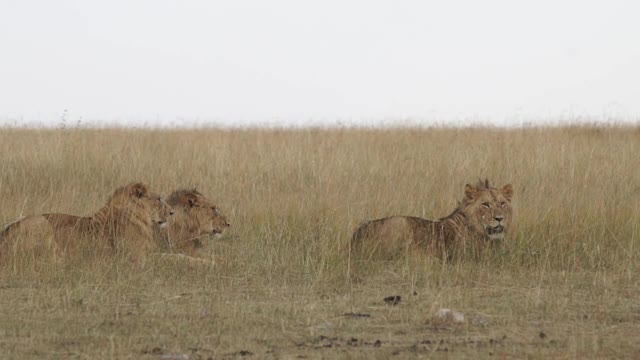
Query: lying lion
x,y
195,219
124,224
482,217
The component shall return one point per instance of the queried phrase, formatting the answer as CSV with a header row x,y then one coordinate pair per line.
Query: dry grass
x,y
564,287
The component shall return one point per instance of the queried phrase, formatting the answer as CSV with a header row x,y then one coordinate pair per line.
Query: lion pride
x,y
480,218
124,224
195,218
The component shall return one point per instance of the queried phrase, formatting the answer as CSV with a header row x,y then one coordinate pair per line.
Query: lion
x,y
195,218
481,218
124,224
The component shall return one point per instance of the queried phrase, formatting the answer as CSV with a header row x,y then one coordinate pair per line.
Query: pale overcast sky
x,y
300,62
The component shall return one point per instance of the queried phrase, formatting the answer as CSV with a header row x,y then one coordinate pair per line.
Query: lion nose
x,y
499,218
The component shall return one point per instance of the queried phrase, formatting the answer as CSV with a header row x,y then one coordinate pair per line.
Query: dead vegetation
x,y
283,283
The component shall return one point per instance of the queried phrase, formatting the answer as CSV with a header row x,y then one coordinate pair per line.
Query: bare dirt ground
x,y
179,313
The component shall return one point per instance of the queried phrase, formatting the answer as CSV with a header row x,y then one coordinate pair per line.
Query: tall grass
x,y
293,198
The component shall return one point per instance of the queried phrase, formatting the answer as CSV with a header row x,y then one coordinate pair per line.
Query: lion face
x,y
200,216
150,203
488,209
210,218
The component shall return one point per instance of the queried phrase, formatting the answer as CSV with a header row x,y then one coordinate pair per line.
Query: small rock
x,y
450,315
393,300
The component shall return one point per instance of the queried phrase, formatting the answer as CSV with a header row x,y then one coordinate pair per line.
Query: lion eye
x,y
503,204
487,205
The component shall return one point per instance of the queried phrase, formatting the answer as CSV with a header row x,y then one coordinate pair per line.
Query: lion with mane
x,y
481,218
195,218
124,224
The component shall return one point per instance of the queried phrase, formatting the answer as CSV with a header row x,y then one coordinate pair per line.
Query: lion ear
x,y
507,191
138,190
189,200
470,192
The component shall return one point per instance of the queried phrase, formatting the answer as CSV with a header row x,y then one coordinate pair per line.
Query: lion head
x,y
139,201
196,215
130,214
487,209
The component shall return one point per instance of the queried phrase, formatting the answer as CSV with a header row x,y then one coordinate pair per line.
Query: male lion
x,y
195,217
482,217
124,224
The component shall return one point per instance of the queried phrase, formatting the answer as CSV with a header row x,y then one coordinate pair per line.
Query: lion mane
x,y
195,217
481,218
124,224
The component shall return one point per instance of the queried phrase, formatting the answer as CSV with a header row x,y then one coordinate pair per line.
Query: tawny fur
x,y
124,223
195,218
480,219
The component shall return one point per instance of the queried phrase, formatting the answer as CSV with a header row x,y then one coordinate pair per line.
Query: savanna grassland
x,y
564,285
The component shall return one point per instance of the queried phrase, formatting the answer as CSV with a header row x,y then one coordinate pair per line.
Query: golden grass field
x,y
565,285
